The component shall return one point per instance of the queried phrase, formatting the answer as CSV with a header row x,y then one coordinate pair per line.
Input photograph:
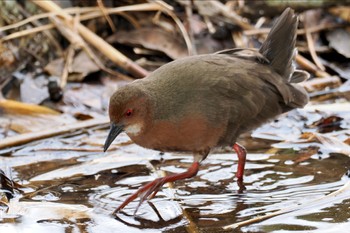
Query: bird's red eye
x,y
128,112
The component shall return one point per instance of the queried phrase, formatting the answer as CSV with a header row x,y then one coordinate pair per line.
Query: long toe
x,y
144,192
150,190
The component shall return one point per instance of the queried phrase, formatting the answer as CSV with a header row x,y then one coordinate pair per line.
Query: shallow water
x,y
76,191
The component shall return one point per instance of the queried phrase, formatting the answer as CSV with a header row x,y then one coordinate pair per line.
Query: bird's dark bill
x,y
114,131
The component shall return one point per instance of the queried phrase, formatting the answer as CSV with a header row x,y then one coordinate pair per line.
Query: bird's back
x,y
234,90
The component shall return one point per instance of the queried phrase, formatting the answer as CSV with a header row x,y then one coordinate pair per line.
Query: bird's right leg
x,y
241,153
150,190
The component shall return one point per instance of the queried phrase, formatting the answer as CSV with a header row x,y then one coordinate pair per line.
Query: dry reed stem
x,y
93,12
165,8
309,66
313,29
15,107
89,13
225,11
27,32
34,136
100,44
312,50
106,15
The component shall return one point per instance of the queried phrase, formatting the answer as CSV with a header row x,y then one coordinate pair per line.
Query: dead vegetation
x,y
60,62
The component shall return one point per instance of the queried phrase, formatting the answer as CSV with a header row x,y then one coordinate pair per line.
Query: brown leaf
x,y
328,124
81,67
6,186
152,38
339,39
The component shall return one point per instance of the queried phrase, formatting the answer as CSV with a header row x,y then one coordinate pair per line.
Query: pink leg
x,y
151,189
241,153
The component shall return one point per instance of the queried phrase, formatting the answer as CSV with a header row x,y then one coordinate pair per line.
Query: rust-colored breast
x,y
193,134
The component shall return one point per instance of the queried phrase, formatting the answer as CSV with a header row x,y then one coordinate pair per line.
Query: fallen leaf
x,y
15,107
327,124
339,40
152,38
33,89
82,66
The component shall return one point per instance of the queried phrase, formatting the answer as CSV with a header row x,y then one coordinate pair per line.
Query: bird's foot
x,y
149,190
241,186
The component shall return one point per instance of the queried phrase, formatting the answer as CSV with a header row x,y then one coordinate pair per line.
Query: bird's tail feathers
x,y
279,46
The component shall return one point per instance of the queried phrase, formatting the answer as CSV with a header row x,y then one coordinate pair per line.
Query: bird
x,y
201,102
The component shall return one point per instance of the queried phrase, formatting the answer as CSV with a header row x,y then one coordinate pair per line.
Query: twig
x,y
302,61
67,65
209,24
312,51
80,149
27,32
238,39
131,19
309,66
47,33
44,15
152,6
105,48
75,41
313,29
91,12
232,15
311,46
189,14
168,10
29,137
106,15
70,52
78,42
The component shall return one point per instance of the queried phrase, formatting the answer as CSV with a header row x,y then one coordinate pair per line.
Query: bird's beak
x,y
114,131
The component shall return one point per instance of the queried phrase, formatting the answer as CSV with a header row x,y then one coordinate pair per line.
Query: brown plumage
x,y
197,103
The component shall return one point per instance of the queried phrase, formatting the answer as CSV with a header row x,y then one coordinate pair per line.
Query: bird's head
x,y
129,109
